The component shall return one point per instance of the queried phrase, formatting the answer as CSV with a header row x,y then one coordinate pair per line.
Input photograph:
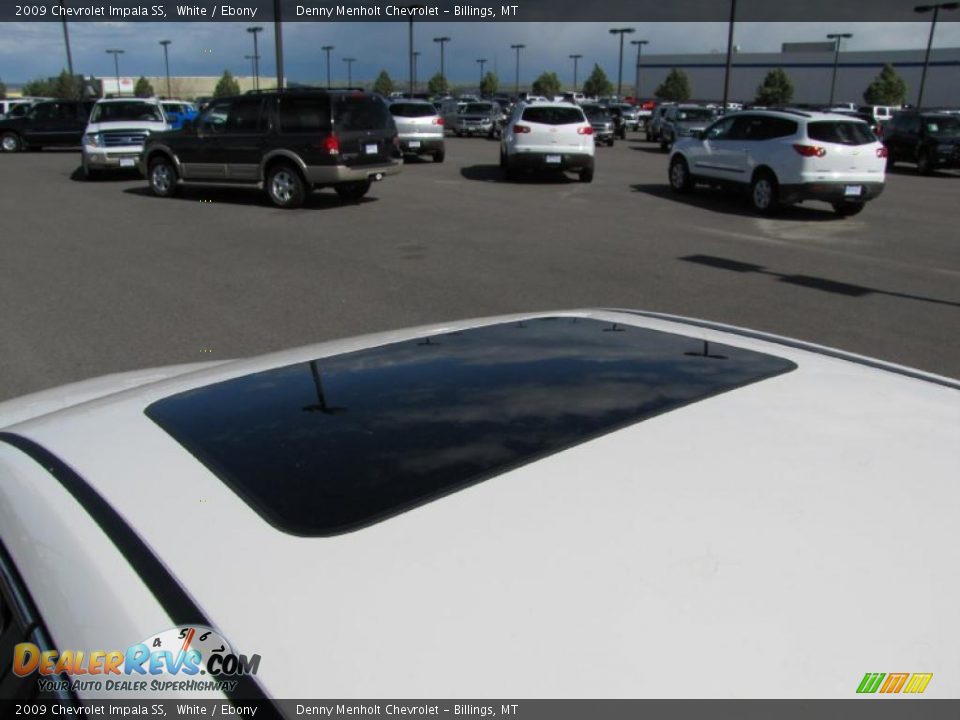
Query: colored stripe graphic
x,y
870,682
894,683
918,683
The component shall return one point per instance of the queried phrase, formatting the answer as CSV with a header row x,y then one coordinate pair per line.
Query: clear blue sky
x,y
30,50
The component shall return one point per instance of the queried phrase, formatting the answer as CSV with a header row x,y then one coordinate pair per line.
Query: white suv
x,y
117,131
785,156
546,136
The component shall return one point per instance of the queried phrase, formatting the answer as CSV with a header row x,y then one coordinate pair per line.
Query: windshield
x,y
477,109
595,112
412,110
688,114
120,111
943,127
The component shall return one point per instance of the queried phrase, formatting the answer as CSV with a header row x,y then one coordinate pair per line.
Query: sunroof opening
x,y
332,445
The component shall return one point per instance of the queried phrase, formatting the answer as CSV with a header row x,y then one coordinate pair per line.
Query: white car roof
x,y
735,537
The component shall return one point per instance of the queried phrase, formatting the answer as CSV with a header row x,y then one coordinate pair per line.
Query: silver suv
x,y
419,128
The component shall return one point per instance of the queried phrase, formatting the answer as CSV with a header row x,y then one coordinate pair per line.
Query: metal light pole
x,y
726,74
327,49
836,37
621,32
636,81
416,54
166,63
443,41
576,59
116,66
481,62
256,56
277,41
518,48
922,9
66,42
253,62
349,62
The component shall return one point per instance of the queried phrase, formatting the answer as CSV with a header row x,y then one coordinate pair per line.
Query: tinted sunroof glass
x,y
324,447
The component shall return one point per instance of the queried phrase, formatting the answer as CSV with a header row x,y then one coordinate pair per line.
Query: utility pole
x,y
416,54
922,9
726,74
166,64
349,62
66,42
836,37
116,66
327,49
576,59
636,82
443,41
277,40
481,62
518,48
256,56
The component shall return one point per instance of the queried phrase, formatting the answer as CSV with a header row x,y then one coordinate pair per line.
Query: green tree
x,y
3,89
39,88
143,88
67,86
776,88
383,84
548,85
887,88
675,87
598,84
437,85
489,84
227,86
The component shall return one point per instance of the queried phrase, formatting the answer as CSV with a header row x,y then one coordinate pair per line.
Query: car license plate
x,y
413,144
127,162
853,191
553,159
371,149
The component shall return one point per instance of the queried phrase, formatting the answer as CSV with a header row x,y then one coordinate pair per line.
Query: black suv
x,y
287,142
929,139
53,123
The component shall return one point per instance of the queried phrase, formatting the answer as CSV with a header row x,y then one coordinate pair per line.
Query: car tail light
x,y
438,121
521,129
585,130
810,150
331,144
882,152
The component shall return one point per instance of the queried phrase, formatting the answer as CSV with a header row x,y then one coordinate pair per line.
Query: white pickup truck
x,y
117,131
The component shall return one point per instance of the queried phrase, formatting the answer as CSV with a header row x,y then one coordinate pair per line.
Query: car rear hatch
x,y
416,120
842,150
552,129
365,129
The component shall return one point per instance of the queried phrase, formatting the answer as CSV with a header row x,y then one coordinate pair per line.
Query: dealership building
x,y
810,68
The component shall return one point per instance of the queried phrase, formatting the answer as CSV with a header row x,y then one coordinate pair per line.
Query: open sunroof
x,y
324,447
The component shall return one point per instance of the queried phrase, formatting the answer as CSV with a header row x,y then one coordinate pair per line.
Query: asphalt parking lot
x,y
101,277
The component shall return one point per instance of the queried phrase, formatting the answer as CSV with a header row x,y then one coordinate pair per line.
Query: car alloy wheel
x,y
10,142
763,193
162,179
285,187
679,175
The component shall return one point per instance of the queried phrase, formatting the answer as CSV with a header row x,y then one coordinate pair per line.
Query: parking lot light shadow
x,y
108,177
808,281
251,196
493,173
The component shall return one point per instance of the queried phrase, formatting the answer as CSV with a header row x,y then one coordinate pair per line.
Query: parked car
x,y
8,104
52,123
178,112
604,128
554,136
450,108
419,128
785,157
680,121
656,118
631,116
116,133
571,483
287,143
880,113
478,118
931,140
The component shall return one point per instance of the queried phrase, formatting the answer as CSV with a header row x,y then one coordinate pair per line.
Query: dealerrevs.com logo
x,y
894,683
192,658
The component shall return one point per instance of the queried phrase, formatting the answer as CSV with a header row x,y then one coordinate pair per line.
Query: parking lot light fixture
x,y
481,62
327,49
518,48
253,60
576,59
726,73
922,10
443,41
621,32
636,81
166,63
415,55
836,37
349,62
256,56
116,65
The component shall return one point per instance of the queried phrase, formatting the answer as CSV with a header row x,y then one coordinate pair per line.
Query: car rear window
x,y
361,112
553,115
477,108
304,113
412,110
841,132
327,446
